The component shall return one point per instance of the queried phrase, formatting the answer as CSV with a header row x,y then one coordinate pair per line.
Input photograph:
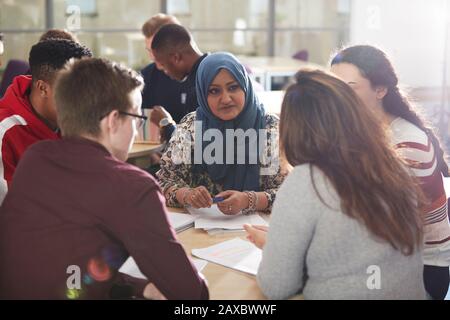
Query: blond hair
x,y
152,25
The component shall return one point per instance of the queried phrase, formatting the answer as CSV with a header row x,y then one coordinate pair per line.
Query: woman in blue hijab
x,y
226,151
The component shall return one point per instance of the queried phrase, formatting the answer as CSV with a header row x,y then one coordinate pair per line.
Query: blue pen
x,y
218,199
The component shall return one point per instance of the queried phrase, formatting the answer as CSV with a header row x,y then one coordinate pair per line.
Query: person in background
x,y
226,102
58,34
176,59
178,56
28,111
160,93
345,224
370,73
75,204
12,69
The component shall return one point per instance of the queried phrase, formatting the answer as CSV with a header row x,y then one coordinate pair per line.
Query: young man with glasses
x,y
140,119
76,210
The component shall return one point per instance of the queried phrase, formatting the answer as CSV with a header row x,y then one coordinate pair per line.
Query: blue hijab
x,y
232,176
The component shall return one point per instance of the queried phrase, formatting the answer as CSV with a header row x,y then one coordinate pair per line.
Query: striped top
x,y
415,147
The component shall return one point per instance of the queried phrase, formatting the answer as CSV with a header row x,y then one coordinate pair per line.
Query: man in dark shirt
x,y
76,210
176,53
160,89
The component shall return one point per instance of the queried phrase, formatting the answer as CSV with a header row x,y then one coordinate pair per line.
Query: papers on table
x,y
199,264
215,232
180,221
213,218
130,268
207,212
236,254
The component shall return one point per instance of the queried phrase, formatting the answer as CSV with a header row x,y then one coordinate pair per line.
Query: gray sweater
x,y
323,253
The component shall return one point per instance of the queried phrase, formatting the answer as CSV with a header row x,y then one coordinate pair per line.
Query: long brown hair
x,y
322,123
374,65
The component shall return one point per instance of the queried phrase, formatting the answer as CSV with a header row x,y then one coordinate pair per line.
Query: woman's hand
x,y
256,234
199,198
234,202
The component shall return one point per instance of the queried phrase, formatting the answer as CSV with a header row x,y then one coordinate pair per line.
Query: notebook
x,y
180,221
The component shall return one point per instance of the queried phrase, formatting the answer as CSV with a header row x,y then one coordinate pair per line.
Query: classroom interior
x,y
273,39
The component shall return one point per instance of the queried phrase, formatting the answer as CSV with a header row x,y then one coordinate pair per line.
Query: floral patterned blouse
x,y
176,170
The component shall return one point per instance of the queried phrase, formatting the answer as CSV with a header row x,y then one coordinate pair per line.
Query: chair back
x,y
13,69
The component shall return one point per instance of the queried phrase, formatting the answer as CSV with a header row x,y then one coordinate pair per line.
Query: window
x,y
111,28
313,26
22,14
219,14
106,14
312,14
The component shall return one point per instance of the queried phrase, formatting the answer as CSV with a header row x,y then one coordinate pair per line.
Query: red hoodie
x,y
19,129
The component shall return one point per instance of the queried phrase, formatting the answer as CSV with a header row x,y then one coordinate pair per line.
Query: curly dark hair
x,y
49,56
58,34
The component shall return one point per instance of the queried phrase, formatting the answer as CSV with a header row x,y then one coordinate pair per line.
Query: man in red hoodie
x,y
27,110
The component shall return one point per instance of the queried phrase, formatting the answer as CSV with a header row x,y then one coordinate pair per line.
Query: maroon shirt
x,y
72,203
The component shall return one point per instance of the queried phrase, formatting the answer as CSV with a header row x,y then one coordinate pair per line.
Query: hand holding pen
x,y
233,203
198,198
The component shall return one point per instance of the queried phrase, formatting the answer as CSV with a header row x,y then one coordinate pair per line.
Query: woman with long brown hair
x,y
371,75
345,224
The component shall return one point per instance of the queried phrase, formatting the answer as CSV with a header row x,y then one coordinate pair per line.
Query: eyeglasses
x,y
140,118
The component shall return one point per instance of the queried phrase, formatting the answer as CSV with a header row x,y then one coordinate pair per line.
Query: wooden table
x,y
140,153
223,283
142,149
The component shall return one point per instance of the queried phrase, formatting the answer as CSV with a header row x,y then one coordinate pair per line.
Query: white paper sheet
x,y
130,267
236,254
215,232
206,212
213,218
181,221
199,264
